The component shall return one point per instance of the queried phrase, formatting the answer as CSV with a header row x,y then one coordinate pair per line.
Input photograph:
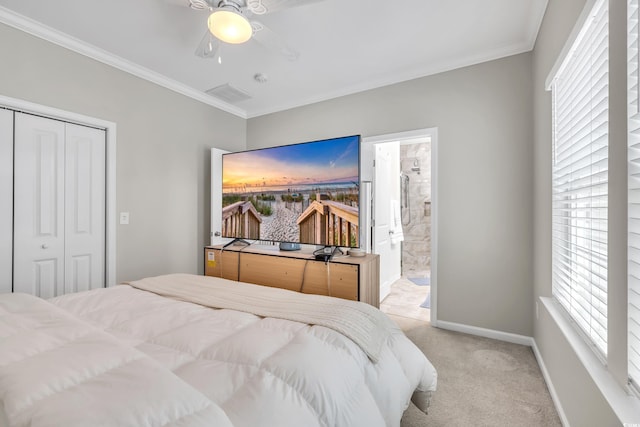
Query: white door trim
x,y
6,200
413,134
110,128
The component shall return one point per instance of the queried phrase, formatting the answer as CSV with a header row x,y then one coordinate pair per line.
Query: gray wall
x,y
163,164
494,238
580,398
483,115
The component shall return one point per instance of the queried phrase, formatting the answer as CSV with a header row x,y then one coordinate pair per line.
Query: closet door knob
x,y
45,246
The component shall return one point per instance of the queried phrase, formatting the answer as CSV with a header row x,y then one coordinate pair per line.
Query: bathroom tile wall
x,y
415,162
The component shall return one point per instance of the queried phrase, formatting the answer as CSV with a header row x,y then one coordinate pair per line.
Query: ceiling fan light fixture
x,y
229,26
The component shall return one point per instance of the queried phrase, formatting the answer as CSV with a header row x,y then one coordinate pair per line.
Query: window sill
x,y
624,405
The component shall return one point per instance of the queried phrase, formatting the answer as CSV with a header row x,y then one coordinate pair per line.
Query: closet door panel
x,y
38,206
6,199
84,208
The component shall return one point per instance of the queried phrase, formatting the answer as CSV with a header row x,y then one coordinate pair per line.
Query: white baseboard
x,y
516,339
620,399
385,288
487,333
547,380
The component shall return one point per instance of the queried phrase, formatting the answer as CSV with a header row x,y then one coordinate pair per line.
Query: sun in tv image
x,y
303,193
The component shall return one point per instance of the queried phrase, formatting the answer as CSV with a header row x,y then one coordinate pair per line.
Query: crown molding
x,y
535,22
533,27
66,41
39,30
426,71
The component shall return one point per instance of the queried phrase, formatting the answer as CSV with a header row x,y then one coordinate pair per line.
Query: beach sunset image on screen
x,y
304,193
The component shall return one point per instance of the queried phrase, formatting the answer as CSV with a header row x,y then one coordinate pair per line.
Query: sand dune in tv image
x,y
305,193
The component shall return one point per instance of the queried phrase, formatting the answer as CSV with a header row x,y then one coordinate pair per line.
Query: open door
x,y
216,195
386,190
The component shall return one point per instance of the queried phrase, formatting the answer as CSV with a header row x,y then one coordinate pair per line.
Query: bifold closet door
x,y
84,208
59,208
6,199
38,257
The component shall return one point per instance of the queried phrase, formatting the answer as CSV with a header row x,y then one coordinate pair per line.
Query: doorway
x,y
404,224
415,207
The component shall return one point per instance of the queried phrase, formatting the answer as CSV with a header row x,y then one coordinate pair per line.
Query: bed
x,y
186,350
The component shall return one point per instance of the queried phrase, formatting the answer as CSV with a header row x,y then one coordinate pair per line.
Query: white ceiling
x,y
345,46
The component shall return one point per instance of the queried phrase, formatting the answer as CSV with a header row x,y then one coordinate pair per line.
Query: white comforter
x,y
56,370
126,357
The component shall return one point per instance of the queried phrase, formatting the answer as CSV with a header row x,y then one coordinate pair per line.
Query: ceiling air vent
x,y
229,93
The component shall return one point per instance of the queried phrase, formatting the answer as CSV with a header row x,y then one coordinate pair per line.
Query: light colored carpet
x,y
481,382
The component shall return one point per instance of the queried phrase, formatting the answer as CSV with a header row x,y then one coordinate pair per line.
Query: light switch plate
x,y
124,218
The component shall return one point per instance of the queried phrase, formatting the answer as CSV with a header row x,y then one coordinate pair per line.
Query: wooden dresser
x,y
354,278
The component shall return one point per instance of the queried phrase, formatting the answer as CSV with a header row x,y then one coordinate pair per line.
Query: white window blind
x,y
580,92
634,197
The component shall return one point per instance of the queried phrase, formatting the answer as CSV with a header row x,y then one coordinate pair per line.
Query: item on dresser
x,y
286,246
125,356
334,274
357,252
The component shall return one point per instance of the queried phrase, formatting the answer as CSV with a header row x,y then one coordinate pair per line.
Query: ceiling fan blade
x,y
273,41
202,4
181,3
261,7
208,46
193,4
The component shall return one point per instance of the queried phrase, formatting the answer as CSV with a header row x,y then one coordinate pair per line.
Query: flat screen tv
x,y
304,193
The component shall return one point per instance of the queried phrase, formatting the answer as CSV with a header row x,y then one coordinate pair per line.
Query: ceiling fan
x,y
232,21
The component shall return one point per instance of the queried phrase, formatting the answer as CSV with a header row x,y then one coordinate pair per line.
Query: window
x,y
633,197
580,92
